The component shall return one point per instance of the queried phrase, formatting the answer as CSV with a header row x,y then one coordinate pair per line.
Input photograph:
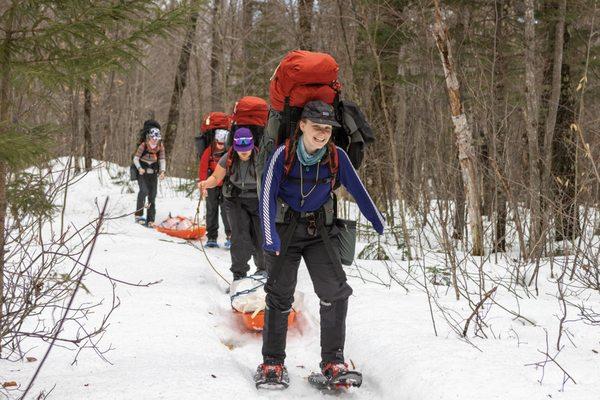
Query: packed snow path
x,y
178,339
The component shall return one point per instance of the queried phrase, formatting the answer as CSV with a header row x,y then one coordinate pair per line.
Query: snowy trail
x,y
178,339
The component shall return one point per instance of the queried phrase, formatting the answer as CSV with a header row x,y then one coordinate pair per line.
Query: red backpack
x,y
303,76
250,110
210,122
215,120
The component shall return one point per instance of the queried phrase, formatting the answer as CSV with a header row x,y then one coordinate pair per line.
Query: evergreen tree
x,y
48,45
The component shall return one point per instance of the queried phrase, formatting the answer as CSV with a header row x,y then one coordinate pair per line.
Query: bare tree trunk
x,y
87,128
392,138
74,115
458,224
305,12
531,123
556,90
179,87
247,9
216,56
5,67
552,109
395,141
349,84
464,135
107,123
499,126
564,160
486,184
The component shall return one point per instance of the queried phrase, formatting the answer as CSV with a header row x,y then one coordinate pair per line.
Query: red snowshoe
x,y
271,376
335,376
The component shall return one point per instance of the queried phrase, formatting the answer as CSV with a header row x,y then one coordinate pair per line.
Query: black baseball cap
x,y
319,112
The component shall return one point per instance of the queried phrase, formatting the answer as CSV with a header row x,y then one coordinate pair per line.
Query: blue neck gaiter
x,y
308,159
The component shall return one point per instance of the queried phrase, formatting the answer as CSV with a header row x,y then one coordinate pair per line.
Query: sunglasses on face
x,y
243,141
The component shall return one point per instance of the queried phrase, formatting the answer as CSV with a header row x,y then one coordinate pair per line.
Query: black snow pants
x,y
246,237
329,282
214,201
148,184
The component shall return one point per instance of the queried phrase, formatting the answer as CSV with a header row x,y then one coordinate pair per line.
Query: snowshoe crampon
x,y
271,376
343,379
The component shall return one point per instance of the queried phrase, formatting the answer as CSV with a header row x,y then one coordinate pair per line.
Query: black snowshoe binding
x,y
335,376
271,376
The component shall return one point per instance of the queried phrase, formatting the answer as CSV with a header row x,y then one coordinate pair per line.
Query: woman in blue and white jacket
x,y
296,212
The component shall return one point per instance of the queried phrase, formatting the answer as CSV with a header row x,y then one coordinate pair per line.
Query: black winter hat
x,y
319,112
151,124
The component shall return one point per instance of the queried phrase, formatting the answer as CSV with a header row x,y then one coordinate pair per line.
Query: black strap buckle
x,y
311,228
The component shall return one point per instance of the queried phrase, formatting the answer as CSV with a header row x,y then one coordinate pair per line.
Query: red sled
x,y
215,120
250,110
256,322
303,76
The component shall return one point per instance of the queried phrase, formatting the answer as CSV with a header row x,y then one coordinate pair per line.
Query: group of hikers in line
x,y
277,212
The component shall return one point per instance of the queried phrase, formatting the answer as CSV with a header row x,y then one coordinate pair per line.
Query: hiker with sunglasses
x,y
237,170
214,194
297,214
150,161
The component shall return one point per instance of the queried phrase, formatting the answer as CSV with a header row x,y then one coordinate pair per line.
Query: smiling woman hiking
x,y
297,213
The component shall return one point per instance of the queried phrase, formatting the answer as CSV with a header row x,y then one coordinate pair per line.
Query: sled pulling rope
x,y
197,221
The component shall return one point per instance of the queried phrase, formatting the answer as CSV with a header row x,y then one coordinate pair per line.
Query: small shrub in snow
x,y
437,275
373,251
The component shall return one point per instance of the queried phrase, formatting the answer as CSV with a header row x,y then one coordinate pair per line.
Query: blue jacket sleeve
x,y
349,178
268,200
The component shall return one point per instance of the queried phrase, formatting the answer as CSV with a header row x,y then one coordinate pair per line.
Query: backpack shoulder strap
x,y
334,163
145,151
289,154
229,163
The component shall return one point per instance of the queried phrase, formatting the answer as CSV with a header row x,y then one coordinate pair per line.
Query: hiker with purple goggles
x,y
237,170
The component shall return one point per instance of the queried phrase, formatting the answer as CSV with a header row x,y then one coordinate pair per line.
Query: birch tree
x,y
463,133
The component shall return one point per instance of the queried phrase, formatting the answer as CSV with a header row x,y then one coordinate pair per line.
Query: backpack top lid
x,y
250,110
215,120
303,76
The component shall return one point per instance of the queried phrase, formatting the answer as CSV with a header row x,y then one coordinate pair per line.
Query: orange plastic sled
x,y
194,233
258,322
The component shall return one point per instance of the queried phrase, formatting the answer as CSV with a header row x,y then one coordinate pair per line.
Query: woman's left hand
x,y
161,176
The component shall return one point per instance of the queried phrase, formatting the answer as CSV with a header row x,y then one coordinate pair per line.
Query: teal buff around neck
x,y
308,159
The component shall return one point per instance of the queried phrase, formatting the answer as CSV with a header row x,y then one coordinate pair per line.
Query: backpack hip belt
x,y
285,213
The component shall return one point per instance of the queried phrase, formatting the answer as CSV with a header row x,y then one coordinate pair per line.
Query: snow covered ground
x,y
178,339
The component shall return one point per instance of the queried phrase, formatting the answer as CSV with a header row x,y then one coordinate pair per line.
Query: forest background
x,y
540,159
485,111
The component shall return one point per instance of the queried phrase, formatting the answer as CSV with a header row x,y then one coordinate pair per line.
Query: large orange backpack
x,y
250,110
303,76
252,113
